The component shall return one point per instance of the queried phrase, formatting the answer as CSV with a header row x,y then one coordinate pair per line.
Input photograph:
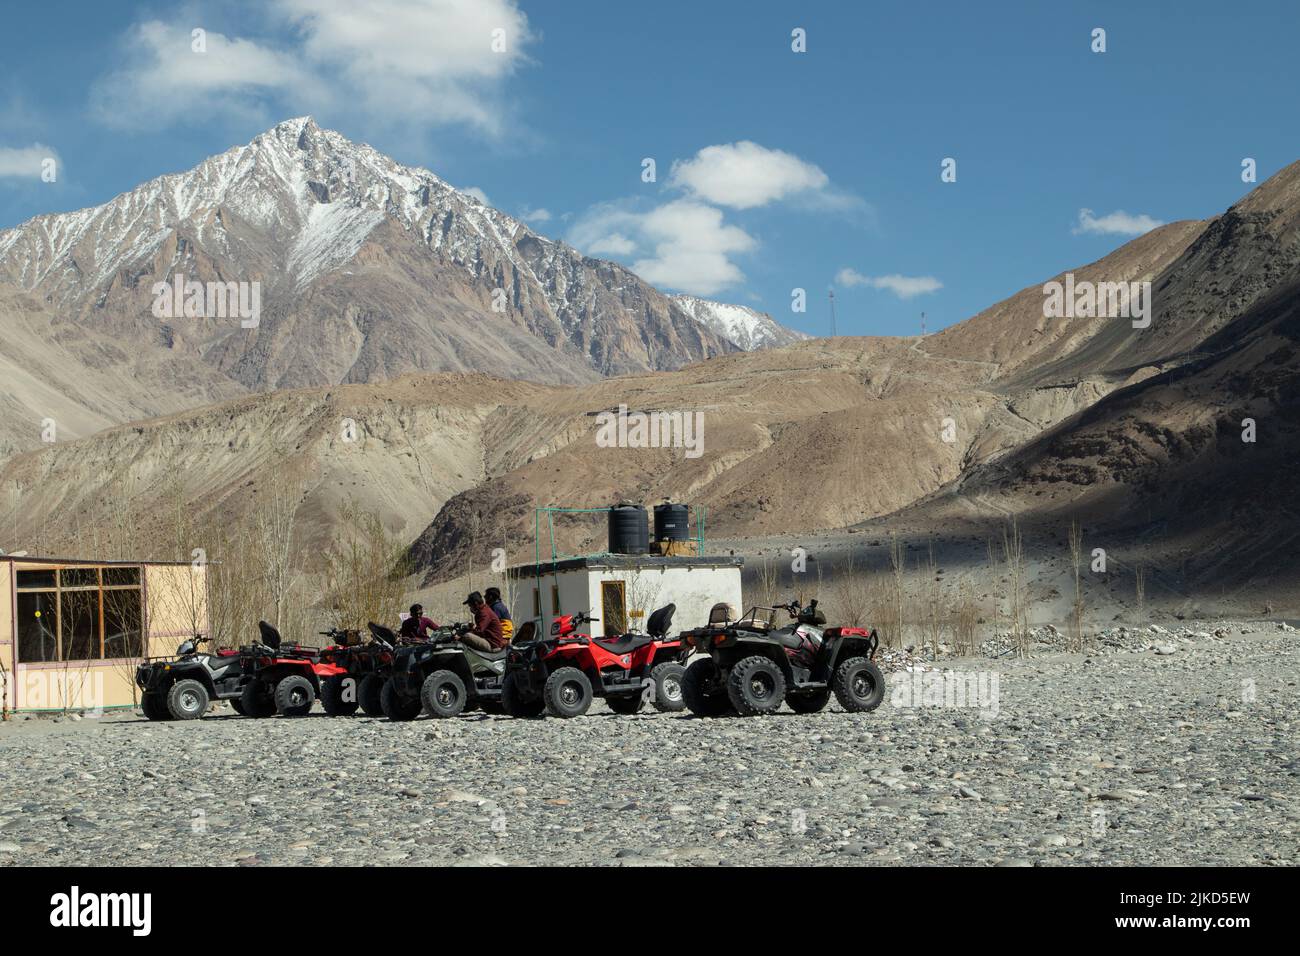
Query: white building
x,y
623,590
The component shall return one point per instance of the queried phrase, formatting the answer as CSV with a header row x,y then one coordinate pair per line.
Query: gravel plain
x,y
1177,747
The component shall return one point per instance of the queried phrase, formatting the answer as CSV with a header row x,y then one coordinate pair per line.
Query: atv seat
x,y
381,632
661,620
625,644
499,655
270,636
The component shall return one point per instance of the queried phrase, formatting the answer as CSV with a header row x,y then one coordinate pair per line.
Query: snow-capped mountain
x,y
367,269
745,327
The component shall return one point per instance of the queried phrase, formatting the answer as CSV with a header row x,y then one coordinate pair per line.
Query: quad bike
x,y
562,673
443,677
282,678
366,666
751,665
182,688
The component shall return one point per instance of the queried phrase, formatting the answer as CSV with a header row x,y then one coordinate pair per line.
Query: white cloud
x,y
478,194
528,214
1119,223
905,287
398,61
682,245
24,162
744,175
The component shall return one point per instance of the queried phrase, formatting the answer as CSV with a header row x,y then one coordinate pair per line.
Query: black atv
x,y
751,665
443,677
181,688
367,663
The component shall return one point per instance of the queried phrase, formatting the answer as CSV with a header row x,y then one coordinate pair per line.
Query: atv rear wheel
x,y
339,697
237,706
187,700
396,707
294,696
443,694
515,703
756,686
154,707
808,703
567,693
700,690
626,703
667,681
368,694
859,685
257,700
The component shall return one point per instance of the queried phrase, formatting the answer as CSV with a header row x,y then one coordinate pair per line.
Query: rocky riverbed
x,y
1155,750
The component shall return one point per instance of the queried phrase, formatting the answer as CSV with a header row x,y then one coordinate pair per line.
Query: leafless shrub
x,y
1013,559
898,590
365,570
1076,610
965,620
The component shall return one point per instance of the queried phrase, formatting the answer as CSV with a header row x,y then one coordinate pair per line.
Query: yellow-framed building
x,y
72,630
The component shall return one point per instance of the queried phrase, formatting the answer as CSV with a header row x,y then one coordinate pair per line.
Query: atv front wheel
x,y
515,703
808,703
368,694
154,707
667,681
700,690
756,686
294,696
257,700
339,697
625,703
187,700
567,693
859,685
396,707
443,694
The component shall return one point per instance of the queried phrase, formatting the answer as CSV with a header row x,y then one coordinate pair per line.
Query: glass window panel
x,y
79,577
121,576
36,638
79,625
36,579
122,624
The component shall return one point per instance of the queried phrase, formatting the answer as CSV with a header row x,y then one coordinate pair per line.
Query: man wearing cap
x,y
485,634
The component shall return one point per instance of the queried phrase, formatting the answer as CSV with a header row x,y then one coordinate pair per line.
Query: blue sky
x,y
791,167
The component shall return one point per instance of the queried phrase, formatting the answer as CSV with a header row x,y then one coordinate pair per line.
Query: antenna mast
x,y
922,325
832,297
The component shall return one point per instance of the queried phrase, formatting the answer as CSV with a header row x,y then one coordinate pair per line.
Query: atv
x,y
366,666
282,678
751,665
443,677
562,673
181,688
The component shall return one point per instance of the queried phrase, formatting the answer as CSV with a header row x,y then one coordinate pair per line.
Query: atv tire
x,y
626,703
334,694
443,694
667,682
396,707
368,695
699,697
492,707
294,696
256,700
154,707
808,703
756,686
567,692
237,706
514,703
187,700
859,685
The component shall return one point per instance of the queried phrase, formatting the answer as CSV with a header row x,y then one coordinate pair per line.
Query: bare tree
x,y
1013,557
1076,611
365,570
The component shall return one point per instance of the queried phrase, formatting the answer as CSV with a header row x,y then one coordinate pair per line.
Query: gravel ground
x,y
1177,752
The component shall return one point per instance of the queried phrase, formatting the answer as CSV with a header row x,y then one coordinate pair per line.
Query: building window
x,y
555,599
79,613
613,607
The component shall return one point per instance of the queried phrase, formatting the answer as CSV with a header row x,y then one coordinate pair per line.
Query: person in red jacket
x,y
417,626
485,633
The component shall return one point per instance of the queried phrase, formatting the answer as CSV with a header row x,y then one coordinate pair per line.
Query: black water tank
x,y
629,530
672,523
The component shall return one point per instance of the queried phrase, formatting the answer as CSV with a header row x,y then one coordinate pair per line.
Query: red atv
x,y
752,665
560,674
366,666
284,678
